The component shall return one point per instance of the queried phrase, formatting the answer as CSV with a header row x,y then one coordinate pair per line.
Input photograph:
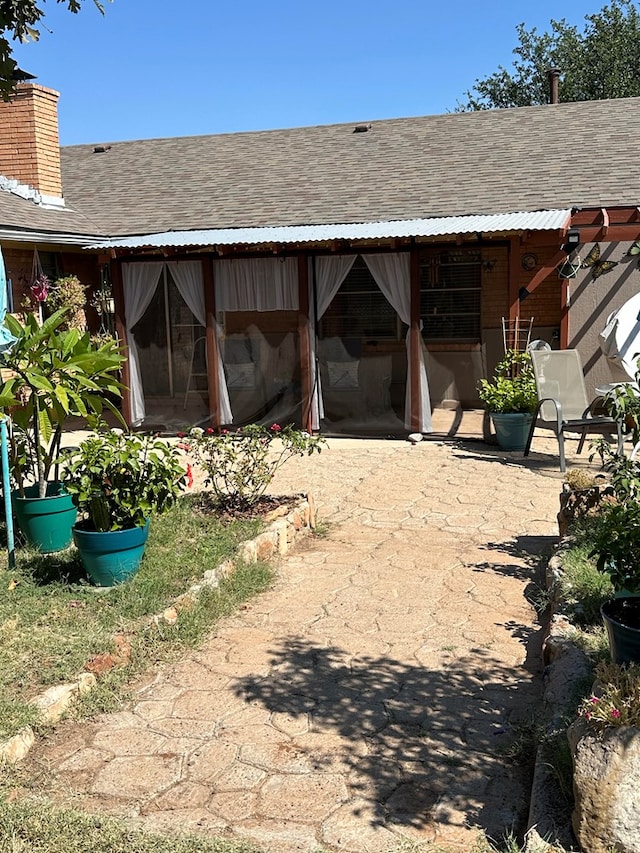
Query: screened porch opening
x,y
362,359
261,359
172,361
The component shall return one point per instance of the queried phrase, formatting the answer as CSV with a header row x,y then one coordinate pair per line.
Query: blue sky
x,y
152,68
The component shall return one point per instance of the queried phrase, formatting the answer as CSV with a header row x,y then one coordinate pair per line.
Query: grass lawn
x,y
53,621
30,827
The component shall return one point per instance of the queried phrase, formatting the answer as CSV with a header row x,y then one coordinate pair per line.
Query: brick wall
x,y
19,264
29,142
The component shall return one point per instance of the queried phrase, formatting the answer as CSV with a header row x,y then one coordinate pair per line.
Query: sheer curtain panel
x,y
139,282
393,277
190,283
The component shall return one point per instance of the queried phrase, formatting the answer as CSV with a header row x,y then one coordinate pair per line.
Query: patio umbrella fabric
x,y
6,338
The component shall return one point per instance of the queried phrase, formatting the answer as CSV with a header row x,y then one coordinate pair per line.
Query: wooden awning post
x,y
121,331
415,341
213,384
304,342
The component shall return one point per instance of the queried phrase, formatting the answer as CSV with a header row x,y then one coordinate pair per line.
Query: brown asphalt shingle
x,y
582,154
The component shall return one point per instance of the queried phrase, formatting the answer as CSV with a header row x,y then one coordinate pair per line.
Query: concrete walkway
x,y
370,695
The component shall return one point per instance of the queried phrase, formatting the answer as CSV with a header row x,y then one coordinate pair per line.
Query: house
x,y
349,277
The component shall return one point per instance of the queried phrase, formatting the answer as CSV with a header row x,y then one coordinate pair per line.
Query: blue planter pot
x,y
512,429
621,617
46,522
111,557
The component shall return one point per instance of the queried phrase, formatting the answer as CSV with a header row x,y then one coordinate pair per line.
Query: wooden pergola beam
x,y
543,273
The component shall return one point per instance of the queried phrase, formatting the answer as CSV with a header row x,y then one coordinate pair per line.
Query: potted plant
x,y
616,545
53,374
511,398
117,481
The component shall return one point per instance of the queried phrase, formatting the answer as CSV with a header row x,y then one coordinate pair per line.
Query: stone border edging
x,y
285,527
565,666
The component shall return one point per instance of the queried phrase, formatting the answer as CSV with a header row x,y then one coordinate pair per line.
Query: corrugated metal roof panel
x,y
494,223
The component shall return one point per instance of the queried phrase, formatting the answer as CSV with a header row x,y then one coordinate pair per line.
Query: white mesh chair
x,y
562,401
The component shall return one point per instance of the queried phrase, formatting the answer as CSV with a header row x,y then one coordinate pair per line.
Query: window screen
x,y
360,309
450,289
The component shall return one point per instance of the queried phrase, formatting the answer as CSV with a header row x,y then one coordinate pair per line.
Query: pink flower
x,y
225,432
183,445
594,700
276,428
189,476
181,434
615,713
40,288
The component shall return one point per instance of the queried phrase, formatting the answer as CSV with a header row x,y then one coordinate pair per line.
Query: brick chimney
x,y
29,143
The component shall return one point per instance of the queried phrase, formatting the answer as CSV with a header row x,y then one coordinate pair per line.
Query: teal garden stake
x,y
6,493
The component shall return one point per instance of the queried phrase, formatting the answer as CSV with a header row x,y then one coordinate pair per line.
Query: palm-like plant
x,y
53,375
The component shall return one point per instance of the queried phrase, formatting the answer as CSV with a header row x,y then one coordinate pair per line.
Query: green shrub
x,y
240,465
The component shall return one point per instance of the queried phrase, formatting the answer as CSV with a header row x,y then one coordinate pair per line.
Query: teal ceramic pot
x,y
512,429
111,557
46,522
621,617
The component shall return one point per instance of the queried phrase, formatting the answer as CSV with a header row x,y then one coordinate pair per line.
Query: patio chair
x,y
562,401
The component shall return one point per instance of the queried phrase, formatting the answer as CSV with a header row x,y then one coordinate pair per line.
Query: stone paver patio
x,y
369,696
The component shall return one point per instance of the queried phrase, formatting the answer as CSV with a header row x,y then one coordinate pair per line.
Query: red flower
x,y
189,476
276,428
209,431
181,434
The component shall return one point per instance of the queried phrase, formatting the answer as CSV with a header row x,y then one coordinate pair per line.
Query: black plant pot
x,y
622,620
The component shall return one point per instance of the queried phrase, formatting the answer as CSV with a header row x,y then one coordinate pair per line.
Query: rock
x,y
54,702
14,750
606,772
170,616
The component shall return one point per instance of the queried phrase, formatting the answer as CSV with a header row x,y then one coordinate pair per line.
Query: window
x,y
450,289
360,309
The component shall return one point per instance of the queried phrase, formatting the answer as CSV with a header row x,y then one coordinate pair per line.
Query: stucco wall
x,y
592,300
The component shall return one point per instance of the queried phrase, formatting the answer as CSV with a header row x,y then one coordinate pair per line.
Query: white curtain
x,y
256,284
190,283
393,277
139,283
330,272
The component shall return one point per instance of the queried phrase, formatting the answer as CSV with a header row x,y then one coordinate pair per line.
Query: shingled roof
x,y
530,158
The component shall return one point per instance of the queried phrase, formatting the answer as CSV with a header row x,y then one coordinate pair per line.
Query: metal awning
x,y
485,224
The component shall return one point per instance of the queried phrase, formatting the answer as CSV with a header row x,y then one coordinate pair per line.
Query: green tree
x,y
18,19
600,61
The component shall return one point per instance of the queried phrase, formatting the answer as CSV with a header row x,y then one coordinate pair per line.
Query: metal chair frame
x,y
587,422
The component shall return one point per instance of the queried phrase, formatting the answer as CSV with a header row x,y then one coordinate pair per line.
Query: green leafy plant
x,y
622,403
240,465
616,544
118,480
615,700
513,388
615,533
54,374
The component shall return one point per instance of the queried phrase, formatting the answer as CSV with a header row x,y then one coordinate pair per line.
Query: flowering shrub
x,y
117,480
240,465
616,701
